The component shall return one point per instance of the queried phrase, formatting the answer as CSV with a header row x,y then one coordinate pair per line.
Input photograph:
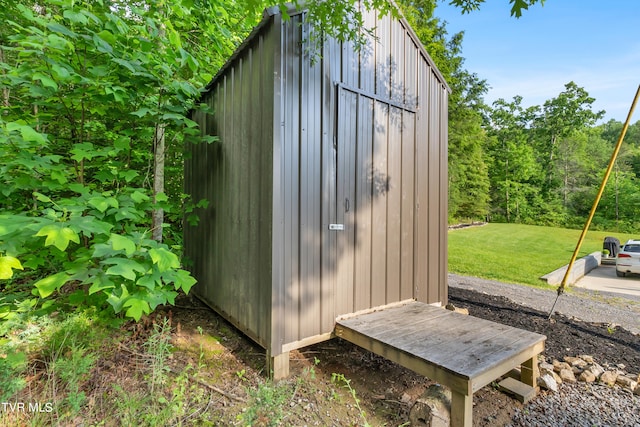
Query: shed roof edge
x,y
272,11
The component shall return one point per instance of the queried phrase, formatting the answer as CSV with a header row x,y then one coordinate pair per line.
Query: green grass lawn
x,y
516,253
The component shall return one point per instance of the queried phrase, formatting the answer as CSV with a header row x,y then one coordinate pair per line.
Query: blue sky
x,y
595,43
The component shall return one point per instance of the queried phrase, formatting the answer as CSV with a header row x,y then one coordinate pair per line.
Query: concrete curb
x,y
580,268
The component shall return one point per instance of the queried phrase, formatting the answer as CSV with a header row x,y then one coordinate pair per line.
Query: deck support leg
x,y
529,372
461,409
278,365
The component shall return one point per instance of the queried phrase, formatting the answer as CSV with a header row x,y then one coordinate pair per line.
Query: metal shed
x,y
327,185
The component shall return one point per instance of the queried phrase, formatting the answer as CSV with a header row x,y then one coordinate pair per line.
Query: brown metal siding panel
x,y
311,195
264,64
444,201
362,206
434,193
368,57
278,194
409,139
232,243
379,205
394,193
407,258
382,48
421,255
346,143
331,68
397,62
290,179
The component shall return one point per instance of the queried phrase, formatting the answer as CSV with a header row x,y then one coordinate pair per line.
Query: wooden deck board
x,y
462,352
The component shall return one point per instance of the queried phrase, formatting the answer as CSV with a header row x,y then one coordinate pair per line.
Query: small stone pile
x,y
584,369
582,393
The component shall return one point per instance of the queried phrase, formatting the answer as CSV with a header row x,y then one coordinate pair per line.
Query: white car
x,y
628,259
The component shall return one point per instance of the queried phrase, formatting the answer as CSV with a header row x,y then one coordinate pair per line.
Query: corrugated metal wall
x,y
363,144
354,139
231,246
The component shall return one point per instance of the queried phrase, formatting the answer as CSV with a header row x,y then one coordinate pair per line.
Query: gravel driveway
x,y
578,404
588,306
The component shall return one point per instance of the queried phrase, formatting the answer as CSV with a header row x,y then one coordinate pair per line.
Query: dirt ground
x,y
337,384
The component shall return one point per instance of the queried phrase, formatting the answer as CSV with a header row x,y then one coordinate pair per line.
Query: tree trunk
x,y
5,90
157,216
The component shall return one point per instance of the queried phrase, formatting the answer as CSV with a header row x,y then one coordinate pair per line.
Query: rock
x,y
452,307
608,377
596,370
626,382
559,366
586,358
433,408
637,390
567,376
548,382
579,363
557,378
545,368
587,376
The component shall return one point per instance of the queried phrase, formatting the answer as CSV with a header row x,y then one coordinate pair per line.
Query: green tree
x,y
87,89
514,172
468,176
561,117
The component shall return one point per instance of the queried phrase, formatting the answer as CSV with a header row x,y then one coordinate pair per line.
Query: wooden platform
x,y
462,352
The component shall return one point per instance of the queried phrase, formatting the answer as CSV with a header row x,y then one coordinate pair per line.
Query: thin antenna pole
x,y
597,200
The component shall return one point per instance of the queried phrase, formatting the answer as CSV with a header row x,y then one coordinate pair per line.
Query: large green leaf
x,y
58,235
126,268
117,299
119,243
100,283
150,281
139,197
164,258
181,279
7,264
52,283
90,225
27,132
137,307
59,28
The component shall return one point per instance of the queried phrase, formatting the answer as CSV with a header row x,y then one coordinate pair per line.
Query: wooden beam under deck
x,y
462,352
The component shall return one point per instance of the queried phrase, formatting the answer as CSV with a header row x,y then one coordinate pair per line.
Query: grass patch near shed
x,y
517,253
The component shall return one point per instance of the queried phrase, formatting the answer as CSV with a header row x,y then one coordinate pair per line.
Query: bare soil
x,y
385,390
332,384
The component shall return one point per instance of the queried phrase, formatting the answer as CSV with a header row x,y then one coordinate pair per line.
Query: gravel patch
x,y
582,304
578,404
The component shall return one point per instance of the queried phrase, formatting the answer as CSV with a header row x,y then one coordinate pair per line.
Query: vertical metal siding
x,y
355,138
383,160
231,246
311,194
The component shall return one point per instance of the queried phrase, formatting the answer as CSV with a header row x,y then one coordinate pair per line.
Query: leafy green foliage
x,y
12,365
266,404
517,6
84,85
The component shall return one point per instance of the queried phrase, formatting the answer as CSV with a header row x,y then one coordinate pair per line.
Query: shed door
x,y
373,198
